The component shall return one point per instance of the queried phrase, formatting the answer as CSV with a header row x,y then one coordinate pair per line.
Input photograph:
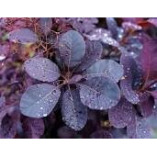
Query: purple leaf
x,y
71,48
131,79
33,128
149,58
2,101
39,100
138,128
101,134
46,25
107,68
99,93
122,114
23,36
153,21
93,53
66,132
154,94
146,104
8,128
42,69
112,26
74,113
75,79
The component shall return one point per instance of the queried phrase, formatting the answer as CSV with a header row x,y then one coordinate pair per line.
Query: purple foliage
x,y
78,77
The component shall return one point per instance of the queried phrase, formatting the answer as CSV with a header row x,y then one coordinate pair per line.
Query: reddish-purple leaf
x,y
153,21
101,134
154,94
146,104
99,93
66,132
42,69
8,127
149,58
33,128
122,114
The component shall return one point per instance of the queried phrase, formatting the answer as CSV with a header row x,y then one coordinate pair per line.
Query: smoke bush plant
x,y
78,77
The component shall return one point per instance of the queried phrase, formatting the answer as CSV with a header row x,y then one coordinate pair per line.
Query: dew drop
x,y
2,57
45,114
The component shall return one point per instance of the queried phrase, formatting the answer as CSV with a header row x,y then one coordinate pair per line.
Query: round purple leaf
x,y
39,100
74,113
99,93
42,69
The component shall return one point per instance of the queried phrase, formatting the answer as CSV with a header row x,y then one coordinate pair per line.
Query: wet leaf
x,y
138,128
71,48
42,69
39,100
107,68
131,79
99,93
93,53
23,36
74,113
122,114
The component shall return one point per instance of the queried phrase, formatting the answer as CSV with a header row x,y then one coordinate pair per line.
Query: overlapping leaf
x,y
33,128
122,114
99,93
71,48
131,80
9,124
93,53
146,104
138,128
106,68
